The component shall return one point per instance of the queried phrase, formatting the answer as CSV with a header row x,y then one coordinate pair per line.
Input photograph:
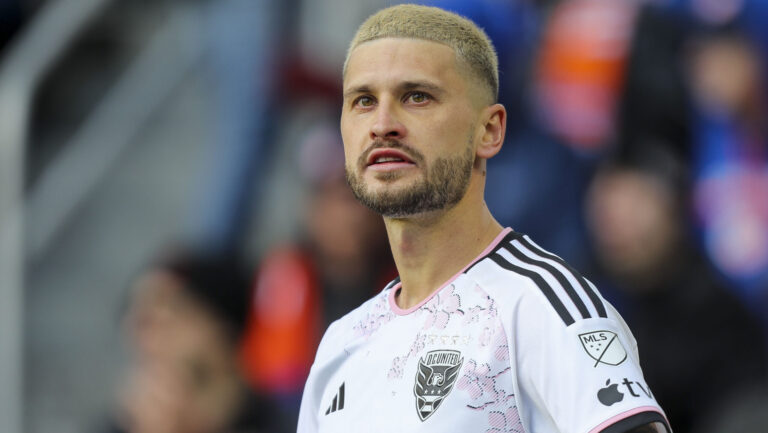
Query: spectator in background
x,y
580,71
731,159
184,324
701,347
302,287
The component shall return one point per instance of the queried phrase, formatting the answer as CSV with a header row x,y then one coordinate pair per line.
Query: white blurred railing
x,y
27,60
82,162
99,141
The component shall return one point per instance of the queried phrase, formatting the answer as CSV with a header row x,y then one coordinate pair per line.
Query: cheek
x,y
455,127
350,127
349,157
349,140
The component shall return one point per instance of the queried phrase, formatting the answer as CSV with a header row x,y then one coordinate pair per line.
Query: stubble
x,y
442,186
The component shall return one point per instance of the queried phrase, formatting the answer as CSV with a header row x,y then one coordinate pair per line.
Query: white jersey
x,y
516,342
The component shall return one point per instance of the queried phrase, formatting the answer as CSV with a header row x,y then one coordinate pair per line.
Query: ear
x,y
494,123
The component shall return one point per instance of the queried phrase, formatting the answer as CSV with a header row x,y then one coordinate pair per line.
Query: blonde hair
x,y
470,43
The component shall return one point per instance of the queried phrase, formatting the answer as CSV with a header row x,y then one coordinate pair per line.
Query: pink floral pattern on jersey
x,y
495,337
378,315
492,334
507,421
501,345
481,384
441,308
484,310
398,364
484,390
489,388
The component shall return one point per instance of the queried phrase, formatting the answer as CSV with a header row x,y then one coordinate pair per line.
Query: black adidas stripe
x,y
549,293
596,301
575,298
338,401
540,282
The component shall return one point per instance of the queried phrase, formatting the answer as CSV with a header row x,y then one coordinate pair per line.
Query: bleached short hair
x,y
470,43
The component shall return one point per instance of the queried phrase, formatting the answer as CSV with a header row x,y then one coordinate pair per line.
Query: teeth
x,y
388,159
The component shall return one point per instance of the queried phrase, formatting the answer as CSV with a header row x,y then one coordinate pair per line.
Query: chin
x,y
386,176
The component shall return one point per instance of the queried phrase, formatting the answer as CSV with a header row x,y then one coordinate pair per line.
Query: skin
x,y
414,91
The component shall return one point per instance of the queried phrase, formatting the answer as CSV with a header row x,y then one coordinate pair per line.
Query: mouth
x,y
388,159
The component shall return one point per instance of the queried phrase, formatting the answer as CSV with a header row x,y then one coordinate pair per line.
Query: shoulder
x,y
518,273
540,297
552,313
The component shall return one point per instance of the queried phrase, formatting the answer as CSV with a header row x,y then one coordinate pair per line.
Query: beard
x,y
442,187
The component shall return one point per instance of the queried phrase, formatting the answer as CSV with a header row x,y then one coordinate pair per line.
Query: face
x,y
633,221
185,375
408,125
725,75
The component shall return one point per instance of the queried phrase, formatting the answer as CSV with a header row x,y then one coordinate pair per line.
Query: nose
x,y
386,123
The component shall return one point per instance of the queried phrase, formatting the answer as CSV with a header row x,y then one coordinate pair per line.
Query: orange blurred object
x,y
279,346
580,71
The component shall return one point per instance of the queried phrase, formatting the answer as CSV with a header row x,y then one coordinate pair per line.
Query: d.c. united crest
x,y
435,378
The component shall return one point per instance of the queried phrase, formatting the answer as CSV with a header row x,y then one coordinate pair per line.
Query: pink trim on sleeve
x,y
627,414
399,311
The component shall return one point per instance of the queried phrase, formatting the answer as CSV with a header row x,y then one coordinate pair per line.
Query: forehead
x,y
395,59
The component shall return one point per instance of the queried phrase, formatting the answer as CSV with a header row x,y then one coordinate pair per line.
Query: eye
x,y
364,101
417,97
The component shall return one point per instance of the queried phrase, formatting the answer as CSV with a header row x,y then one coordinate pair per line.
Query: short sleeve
x,y
579,377
318,376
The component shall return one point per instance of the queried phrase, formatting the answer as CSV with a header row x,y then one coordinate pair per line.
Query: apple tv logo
x,y
611,395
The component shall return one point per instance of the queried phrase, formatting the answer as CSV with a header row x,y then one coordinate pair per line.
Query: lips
x,y
387,156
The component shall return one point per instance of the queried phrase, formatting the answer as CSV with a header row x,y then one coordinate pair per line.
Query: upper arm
x,y
585,377
576,363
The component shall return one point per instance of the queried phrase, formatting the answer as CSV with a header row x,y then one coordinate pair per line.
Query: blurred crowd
x,y
637,149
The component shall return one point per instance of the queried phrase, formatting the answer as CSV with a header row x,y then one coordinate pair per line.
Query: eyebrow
x,y
404,86
426,85
356,91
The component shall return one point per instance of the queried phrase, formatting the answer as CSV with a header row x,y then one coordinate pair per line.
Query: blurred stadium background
x,y
637,149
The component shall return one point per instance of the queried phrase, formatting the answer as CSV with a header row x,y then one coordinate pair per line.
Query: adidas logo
x,y
338,401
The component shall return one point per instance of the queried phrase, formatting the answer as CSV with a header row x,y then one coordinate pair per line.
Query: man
x,y
483,331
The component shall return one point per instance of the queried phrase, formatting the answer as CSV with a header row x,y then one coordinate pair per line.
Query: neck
x,y
429,249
